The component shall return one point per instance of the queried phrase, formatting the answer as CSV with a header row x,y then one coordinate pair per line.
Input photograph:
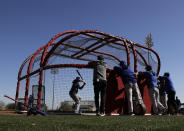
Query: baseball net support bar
x,y
49,49
28,106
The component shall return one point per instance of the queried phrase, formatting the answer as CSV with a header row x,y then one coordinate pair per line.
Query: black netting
x,y
149,57
22,89
59,84
66,51
80,49
24,70
36,63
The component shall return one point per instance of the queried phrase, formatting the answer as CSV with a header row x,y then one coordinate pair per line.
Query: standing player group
x,y
158,87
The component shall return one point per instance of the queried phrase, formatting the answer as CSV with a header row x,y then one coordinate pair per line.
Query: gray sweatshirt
x,y
99,70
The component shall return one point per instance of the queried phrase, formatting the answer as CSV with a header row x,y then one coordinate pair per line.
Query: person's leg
x,y
128,90
174,101
163,100
75,98
77,103
153,99
137,93
103,85
28,112
139,107
96,93
157,97
169,103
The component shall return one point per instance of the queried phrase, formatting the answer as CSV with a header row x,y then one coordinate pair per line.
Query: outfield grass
x,y
90,123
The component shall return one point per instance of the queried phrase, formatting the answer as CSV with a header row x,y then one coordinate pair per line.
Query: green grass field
x,y
90,123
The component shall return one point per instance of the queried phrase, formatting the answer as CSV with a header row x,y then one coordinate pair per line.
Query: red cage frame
x,y
67,35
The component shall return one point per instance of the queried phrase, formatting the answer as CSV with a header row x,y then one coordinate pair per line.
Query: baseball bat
x,y
28,106
79,74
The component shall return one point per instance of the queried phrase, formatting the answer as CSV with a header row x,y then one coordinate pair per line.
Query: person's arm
x,y
84,83
117,70
141,77
179,102
105,65
166,89
91,63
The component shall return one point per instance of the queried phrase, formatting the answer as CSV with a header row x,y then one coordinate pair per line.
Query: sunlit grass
x,y
90,123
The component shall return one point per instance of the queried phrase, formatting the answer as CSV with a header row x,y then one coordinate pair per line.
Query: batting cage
x,y
48,73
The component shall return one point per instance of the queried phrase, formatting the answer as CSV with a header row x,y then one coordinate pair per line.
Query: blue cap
x,y
122,63
100,57
77,78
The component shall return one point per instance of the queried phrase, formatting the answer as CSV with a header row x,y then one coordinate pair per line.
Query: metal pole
x,y
148,57
53,92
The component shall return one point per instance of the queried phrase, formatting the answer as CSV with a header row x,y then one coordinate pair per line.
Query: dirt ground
x,y
9,113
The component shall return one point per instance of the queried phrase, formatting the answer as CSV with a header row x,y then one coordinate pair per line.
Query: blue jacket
x,y
75,87
151,79
168,84
162,89
126,74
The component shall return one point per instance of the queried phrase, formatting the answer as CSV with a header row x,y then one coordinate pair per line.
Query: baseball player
x,y
99,82
73,93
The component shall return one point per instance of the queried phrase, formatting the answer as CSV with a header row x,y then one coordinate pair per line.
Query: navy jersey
x,y
126,74
162,90
151,78
75,87
168,84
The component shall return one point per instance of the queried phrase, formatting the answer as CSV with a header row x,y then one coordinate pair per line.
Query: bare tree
x,y
2,105
149,43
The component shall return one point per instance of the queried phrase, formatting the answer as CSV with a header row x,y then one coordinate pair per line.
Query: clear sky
x,y
27,25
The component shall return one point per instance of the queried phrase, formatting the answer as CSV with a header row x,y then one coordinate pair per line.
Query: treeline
x,y
9,106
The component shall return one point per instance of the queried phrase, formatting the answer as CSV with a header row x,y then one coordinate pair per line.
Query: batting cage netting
x,y
48,73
